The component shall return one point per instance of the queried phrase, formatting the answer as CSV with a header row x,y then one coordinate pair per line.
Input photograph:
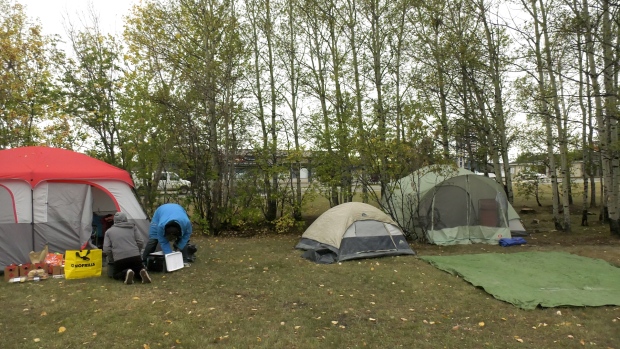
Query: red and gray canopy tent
x,y
48,196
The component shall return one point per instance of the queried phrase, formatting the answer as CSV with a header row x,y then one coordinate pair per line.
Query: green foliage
x,y
92,83
529,157
28,96
529,189
187,61
287,224
373,90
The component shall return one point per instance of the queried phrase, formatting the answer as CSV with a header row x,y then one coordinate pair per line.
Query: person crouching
x,y
122,244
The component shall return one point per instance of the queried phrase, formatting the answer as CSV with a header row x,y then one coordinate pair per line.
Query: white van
x,y
169,181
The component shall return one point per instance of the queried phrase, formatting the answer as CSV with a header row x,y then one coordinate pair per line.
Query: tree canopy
x,y
356,92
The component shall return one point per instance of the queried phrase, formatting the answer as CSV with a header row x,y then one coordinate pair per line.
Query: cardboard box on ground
x,y
37,268
24,269
11,272
58,271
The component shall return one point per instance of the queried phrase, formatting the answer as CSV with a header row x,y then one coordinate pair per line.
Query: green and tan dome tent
x,y
452,206
350,231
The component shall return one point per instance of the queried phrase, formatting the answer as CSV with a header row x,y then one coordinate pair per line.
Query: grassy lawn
x,y
256,292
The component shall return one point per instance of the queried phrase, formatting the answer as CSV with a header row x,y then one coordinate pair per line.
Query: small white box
x,y
174,261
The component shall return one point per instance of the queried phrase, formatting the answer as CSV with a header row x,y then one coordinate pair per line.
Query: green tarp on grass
x,y
529,279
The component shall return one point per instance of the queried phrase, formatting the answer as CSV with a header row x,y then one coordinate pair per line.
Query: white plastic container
x,y
174,261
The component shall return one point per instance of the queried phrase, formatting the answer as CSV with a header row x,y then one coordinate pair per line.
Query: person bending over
x,y
171,228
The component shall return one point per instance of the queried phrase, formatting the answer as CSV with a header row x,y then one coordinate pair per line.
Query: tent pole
x,y
32,216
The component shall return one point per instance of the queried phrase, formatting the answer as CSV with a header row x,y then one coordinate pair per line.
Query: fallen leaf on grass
x,y
456,327
135,298
570,336
221,338
166,333
178,341
335,322
481,324
61,329
403,319
37,340
146,346
371,319
519,340
43,313
297,327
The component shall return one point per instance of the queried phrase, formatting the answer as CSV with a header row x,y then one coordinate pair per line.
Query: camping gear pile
x,y
452,206
40,267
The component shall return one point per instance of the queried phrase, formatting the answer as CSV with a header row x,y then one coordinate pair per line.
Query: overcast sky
x,y
55,14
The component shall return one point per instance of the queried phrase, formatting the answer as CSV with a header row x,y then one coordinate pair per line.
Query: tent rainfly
x,y
350,231
453,206
49,196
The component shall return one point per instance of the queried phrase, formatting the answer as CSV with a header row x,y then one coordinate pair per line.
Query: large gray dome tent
x,y
350,231
453,206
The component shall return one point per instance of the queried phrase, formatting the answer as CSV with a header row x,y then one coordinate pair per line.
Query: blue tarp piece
x,y
511,242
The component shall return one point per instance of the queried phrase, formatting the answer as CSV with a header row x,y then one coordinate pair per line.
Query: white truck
x,y
168,181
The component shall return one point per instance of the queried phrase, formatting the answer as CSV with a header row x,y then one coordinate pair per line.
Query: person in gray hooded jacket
x,y
122,244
